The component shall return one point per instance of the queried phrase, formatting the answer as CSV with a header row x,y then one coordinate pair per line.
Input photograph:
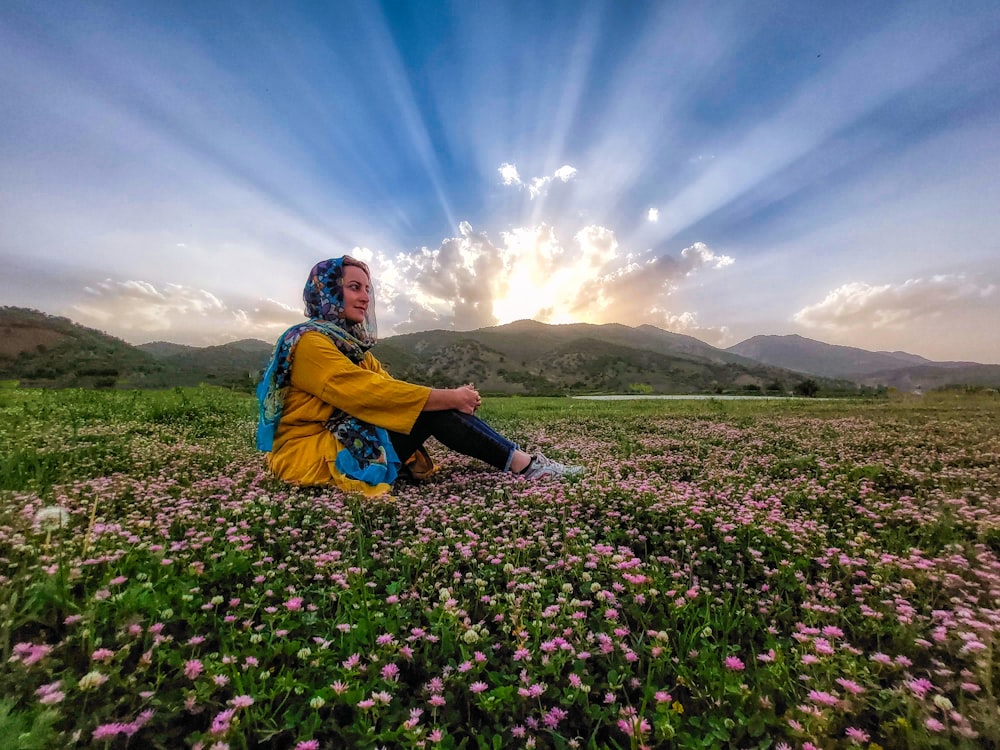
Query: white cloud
x,y
451,286
699,254
135,308
565,173
140,306
859,305
509,175
536,185
471,281
687,323
635,290
267,314
653,215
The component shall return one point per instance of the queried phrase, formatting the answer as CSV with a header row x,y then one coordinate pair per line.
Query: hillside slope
x,y
922,378
45,350
531,357
907,372
237,363
816,358
54,352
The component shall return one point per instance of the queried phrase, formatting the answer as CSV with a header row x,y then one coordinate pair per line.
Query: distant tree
x,y
808,388
775,386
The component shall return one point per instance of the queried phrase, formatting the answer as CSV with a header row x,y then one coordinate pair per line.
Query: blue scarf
x,y
367,453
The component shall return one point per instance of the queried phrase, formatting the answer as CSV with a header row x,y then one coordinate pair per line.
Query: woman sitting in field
x,y
329,413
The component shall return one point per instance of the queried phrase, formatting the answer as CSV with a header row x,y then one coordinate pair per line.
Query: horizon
x,y
722,172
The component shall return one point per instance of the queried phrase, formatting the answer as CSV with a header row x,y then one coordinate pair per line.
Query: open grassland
x,y
728,574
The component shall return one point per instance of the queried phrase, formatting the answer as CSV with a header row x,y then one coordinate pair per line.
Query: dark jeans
x,y
465,433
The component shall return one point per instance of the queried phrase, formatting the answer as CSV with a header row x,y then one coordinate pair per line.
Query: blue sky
x,y
171,171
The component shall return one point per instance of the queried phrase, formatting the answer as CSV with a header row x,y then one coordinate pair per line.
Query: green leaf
x,y
756,726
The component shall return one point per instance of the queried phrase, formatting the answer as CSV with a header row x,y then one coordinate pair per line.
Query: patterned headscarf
x,y
368,453
324,300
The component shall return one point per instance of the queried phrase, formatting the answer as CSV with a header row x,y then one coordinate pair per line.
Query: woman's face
x,y
357,294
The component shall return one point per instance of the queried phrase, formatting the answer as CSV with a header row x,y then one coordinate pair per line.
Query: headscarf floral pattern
x,y
368,454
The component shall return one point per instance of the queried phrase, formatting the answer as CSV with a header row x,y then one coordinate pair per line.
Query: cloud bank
x,y
472,281
140,310
859,305
469,281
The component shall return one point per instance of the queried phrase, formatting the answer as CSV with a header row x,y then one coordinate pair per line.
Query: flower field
x,y
788,574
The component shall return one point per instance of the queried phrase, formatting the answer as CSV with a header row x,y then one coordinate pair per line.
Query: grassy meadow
x,y
761,574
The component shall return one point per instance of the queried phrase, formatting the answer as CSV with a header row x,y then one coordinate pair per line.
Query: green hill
x,y
236,364
901,370
44,350
535,358
52,352
525,357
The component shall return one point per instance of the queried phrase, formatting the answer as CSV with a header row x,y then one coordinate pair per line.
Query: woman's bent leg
x,y
465,433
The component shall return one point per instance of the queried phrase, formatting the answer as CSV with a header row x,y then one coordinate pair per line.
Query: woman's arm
x,y
319,368
465,399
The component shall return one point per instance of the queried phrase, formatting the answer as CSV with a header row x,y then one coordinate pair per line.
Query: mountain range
x,y
524,357
900,370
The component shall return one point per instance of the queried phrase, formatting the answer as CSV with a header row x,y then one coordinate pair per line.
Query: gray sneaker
x,y
542,468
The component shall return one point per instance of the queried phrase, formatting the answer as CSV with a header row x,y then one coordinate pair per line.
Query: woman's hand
x,y
464,399
467,399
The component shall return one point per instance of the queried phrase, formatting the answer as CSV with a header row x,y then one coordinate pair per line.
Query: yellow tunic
x,y
324,379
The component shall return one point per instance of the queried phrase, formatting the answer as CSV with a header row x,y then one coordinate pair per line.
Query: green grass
x,y
52,437
731,574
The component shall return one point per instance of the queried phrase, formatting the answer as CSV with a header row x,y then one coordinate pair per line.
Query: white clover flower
x,y
92,680
52,517
317,702
470,636
943,703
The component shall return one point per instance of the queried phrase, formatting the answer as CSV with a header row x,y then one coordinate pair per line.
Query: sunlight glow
x,y
534,289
